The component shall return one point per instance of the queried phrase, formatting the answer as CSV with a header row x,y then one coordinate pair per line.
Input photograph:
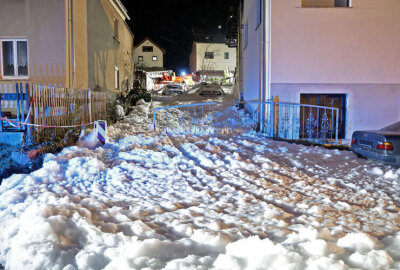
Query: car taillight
x,y
385,146
353,141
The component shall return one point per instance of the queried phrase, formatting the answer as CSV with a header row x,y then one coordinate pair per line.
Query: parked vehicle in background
x,y
377,145
210,90
172,89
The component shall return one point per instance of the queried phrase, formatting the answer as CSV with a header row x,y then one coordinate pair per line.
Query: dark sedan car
x,y
377,145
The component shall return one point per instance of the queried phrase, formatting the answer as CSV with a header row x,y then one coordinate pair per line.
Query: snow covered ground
x,y
228,201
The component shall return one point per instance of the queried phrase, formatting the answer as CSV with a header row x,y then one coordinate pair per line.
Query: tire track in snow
x,y
291,213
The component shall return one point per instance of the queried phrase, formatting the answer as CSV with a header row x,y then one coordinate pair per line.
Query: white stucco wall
x,y
42,24
336,45
148,56
353,51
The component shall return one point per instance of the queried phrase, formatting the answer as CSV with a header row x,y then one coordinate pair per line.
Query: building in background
x,y
340,53
73,43
149,55
211,58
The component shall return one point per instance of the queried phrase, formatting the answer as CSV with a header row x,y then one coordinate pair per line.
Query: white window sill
x,y
14,78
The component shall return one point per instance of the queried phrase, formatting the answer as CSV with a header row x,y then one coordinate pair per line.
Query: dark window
x,y
325,3
155,58
209,55
328,100
140,58
22,54
15,58
116,29
147,49
226,55
8,58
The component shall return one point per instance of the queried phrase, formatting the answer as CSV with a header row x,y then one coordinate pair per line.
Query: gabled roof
x,y
149,39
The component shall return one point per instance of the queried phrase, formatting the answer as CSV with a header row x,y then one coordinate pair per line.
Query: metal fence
x,y
194,118
288,121
48,108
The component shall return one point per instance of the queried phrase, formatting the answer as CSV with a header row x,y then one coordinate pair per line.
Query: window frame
x,y
152,48
209,54
304,5
15,76
116,29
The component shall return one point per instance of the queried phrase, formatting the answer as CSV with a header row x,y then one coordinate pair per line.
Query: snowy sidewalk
x,y
184,202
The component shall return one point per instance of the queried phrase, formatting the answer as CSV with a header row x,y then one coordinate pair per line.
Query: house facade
x,y
148,54
71,43
211,56
336,53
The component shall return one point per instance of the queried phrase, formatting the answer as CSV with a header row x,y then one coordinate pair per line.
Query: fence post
x,y
21,93
90,105
18,108
154,120
28,117
337,124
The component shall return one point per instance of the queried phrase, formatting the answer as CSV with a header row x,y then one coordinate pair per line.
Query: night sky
x,y
169,23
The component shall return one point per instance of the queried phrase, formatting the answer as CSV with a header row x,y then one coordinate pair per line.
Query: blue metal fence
x,y
14,105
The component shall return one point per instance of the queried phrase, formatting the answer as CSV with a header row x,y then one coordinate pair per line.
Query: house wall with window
x,y
71,43
212,57
347,48
32,41
148,54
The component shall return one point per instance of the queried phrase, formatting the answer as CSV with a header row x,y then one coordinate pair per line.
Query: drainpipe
x,y
71,51
240,44
266,59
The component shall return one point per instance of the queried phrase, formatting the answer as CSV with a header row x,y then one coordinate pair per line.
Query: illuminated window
x,y
140,58
14,58
155,58
147,49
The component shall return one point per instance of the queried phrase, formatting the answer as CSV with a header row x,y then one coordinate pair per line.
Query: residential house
x,y
211,56
73,43
340,53
149,55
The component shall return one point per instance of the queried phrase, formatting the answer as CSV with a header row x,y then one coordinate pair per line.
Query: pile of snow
x,y
234,201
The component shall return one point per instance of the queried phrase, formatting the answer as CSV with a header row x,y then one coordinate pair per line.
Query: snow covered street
x,y
229,201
